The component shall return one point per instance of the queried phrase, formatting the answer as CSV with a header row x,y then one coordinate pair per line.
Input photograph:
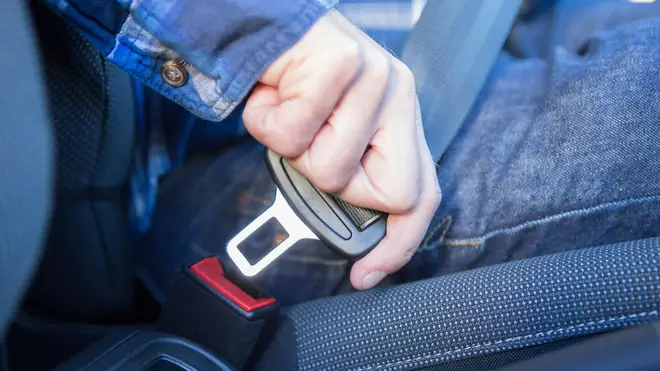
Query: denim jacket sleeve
x,y
222,45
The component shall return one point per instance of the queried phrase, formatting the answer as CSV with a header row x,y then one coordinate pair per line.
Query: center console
x,y
145,350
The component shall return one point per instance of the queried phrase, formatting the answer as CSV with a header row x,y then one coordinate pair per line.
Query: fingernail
x,y
372,279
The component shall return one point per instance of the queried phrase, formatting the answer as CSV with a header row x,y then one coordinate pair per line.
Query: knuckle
x,y
406,79
433,192
404,199
330,185
435,196
327,179
380,71
251,123
409,254
292,150
350,57
402,258
404,71
288,139
287,146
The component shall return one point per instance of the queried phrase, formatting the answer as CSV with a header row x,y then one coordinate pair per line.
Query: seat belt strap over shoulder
x,y
450,51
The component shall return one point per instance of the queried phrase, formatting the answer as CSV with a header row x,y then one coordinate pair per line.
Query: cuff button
x,y
174,73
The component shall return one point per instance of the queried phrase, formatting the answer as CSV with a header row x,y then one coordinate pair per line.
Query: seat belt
x,y
450,51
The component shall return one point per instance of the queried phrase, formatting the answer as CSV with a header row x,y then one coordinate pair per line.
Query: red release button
x,y
211,272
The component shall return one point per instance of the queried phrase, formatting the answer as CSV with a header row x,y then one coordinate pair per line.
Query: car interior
x,y
70,299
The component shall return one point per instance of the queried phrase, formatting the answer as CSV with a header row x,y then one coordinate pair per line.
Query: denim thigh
x,y
559,154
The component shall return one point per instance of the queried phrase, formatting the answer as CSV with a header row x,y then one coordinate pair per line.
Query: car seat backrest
x,y
86,272
25,153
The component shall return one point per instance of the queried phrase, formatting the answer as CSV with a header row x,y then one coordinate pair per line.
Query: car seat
x,y
556,311
25,146
87,253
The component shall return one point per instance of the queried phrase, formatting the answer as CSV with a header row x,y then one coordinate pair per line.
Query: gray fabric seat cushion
x,y
484,311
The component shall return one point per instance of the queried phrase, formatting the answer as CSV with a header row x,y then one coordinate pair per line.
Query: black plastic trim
x,y
249,288
137,351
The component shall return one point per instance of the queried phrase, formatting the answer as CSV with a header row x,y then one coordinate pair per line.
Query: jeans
x,y
560,152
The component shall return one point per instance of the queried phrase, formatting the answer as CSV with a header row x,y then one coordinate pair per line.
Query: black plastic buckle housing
x,y
209,308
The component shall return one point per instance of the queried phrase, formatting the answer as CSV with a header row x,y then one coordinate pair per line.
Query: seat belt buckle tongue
x,y
305,212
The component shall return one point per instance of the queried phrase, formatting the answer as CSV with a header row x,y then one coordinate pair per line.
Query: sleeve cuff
x,y
221,55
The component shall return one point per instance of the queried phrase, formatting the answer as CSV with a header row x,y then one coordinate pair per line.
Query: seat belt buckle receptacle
x,y
247,300
220,311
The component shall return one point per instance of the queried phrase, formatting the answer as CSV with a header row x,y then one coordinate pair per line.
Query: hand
x,y
344,112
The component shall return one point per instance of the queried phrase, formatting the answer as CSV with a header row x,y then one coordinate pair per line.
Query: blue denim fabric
x,y
225,44
559,153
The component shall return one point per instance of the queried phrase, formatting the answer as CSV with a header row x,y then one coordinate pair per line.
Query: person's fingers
x,y
389,178
404,232
335,153
286,111
271,121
